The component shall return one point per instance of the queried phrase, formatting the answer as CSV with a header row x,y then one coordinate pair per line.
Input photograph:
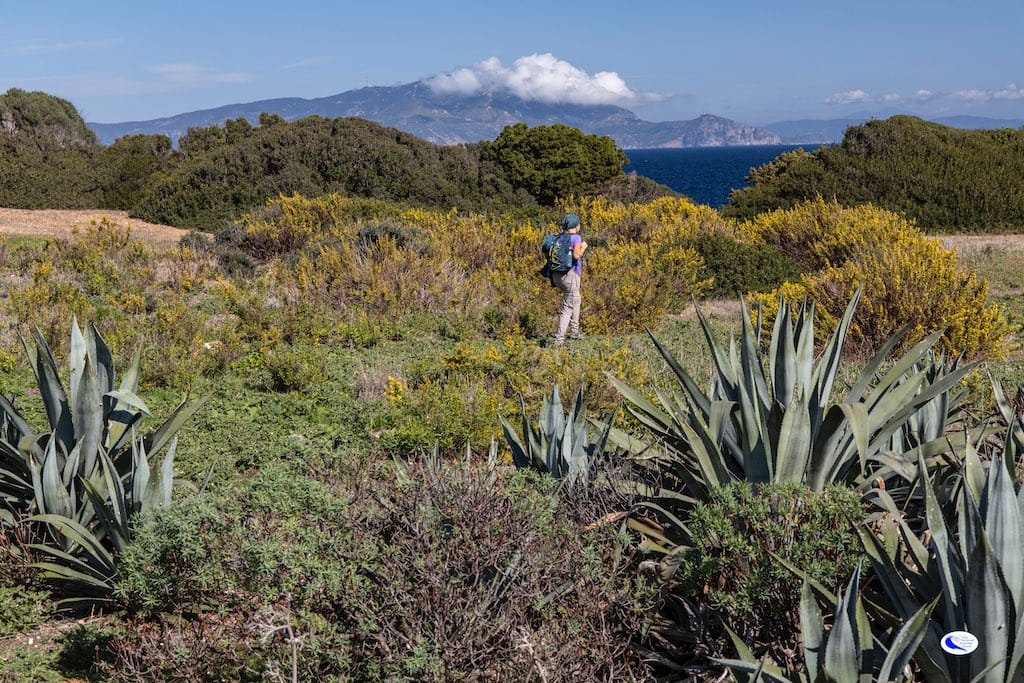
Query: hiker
x,y
569,282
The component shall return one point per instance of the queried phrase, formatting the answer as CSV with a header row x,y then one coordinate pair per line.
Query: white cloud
x,y
971,95
849,97
892,98
924,95
1010,92
540,77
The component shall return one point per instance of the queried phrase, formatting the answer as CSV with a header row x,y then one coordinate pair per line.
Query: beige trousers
x,y
569,316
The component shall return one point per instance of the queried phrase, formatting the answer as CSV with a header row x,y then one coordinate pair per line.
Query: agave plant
x,y
971,565
81,481
772,417
848,652
559,444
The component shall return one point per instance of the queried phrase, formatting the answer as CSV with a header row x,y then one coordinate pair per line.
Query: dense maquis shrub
x,y
223,173
435,572
739,268
733,571
946,179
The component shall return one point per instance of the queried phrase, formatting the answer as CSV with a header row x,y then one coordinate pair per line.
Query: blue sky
x,y
756,62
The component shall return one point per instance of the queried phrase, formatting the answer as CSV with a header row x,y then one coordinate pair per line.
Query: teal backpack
x,y
558,250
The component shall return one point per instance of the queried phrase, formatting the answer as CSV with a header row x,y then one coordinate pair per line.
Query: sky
x,y
754,62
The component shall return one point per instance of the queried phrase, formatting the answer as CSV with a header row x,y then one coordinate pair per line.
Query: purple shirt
x,y
577,264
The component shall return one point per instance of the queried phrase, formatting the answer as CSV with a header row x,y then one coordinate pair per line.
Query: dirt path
x,y
60,223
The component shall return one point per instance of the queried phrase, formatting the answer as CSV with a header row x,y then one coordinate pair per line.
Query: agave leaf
x,y
166,481
624,440
104,360
804,350
857,417
130,399
519,455
141,480
812,629
990,610
904,365
552,425
794,444
115,528
750,361
842,650
707,456
949,570
88,415
722,360
827,370
23,427
76,534
905,644
758,461
748,662
52,570
130,380
55,400
162,436
689,386
51,496
882,430
1004,530
782,357
758,670
641,408
120,429
114,490
76,360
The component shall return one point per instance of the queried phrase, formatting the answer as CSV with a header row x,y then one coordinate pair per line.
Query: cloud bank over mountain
x,y
539,78
924,96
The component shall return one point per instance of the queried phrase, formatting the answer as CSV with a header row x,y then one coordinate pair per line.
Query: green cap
x,y
570,221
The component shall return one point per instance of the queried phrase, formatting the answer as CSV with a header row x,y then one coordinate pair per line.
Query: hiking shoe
x,y
577,337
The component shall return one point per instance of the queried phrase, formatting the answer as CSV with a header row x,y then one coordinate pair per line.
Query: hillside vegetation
x,y
50,159
945,179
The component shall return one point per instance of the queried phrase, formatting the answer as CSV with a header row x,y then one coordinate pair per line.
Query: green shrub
x,y
739,268
288,368
733,572
278,536
30,664
21,609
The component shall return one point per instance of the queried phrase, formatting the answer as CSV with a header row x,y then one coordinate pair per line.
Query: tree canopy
x,y
551,162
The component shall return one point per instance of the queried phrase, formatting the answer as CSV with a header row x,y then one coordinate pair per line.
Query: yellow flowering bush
x,y
909,278
480,271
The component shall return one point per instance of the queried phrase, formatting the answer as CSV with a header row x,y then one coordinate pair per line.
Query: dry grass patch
x,y
62,223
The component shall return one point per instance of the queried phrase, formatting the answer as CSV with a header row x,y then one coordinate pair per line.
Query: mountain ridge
x,y
444,119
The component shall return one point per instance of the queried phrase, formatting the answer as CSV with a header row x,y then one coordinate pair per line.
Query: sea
x,y
704,174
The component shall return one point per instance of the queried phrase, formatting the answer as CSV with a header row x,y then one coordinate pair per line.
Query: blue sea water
x,y
704,174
